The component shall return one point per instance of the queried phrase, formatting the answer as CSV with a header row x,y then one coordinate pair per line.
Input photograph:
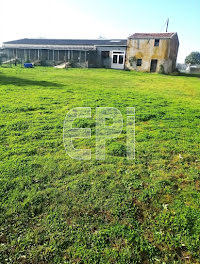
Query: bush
x,y
132,61
161,70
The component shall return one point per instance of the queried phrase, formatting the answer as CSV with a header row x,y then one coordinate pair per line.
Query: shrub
x,y
161,70
132,61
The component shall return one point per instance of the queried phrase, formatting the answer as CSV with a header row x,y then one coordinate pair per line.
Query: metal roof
x,y
71,42
152,35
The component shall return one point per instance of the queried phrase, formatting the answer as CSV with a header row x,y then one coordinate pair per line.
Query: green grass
x,y
58,210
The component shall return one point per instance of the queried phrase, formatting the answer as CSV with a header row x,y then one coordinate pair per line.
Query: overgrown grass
x,y
58,210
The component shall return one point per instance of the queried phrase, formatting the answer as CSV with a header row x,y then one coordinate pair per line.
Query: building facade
x,y
141,52
79,53
152,52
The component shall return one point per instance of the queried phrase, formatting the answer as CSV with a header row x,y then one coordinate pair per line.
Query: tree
x,y
193,58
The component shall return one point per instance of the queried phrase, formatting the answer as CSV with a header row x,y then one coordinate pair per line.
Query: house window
x,y
121,59
156,43
105,54
139,62
115,58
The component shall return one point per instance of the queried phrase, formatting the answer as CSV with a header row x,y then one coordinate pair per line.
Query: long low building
x,y
80,53
141,52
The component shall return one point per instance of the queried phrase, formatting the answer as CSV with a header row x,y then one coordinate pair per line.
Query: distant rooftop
x,y
80,42
152,35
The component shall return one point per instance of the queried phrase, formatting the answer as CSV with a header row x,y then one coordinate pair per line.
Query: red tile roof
x,y
151,35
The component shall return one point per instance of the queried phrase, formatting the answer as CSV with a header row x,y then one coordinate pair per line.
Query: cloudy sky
x,y
106,18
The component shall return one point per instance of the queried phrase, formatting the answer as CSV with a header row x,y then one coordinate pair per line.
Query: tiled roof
x,y
151,35
81,42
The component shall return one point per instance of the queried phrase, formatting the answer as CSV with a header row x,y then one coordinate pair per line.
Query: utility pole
x,y
167,25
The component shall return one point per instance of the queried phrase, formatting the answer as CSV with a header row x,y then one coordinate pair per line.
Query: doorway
x,y
118,58
153,65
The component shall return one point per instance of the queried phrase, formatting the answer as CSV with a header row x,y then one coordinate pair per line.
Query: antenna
x,y
167,25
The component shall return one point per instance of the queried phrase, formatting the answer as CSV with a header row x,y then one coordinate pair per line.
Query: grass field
x,y
58,210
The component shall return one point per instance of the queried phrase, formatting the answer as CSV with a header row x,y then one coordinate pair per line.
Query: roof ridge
x,y
38,41
153,35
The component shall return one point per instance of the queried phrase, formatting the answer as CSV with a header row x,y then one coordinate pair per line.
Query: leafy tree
x,y
193,58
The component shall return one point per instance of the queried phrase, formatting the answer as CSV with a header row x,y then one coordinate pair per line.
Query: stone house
x,y
152,52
